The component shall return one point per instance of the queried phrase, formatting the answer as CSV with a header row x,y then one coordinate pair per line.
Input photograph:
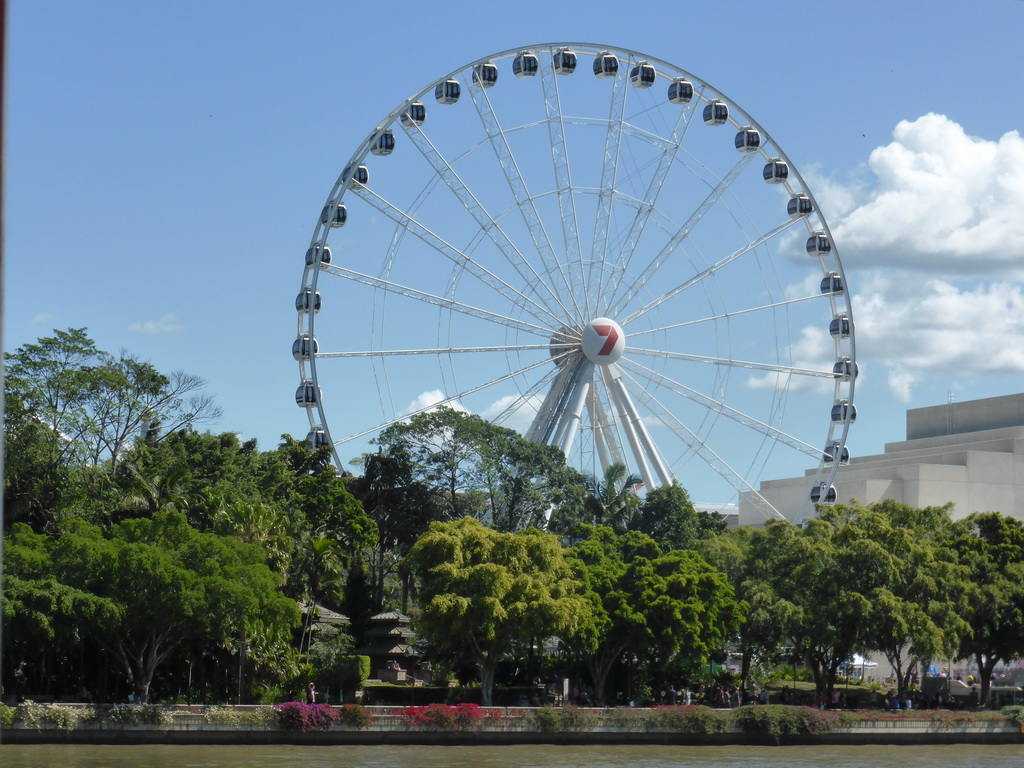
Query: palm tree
x,y
259,524
613,499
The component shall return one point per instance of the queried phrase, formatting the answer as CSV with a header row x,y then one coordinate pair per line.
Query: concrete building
x,y
970,453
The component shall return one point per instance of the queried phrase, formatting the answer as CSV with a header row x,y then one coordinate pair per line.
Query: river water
x,y
159,756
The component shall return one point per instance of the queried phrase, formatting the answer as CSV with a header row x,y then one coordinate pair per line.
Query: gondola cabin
x,y
384,144
304,347
308,301
799,206
318,253
747,140
845,369
334,214
832,449
840,327
822,494
680,91
716,113
840,411
564,62
642,75
832,283
485,75
818,244
447,92
606,65
416,114
525,64
307,395
357,175
775,171
317,438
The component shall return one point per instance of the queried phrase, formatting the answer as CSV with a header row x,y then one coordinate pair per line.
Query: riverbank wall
x,y
601,727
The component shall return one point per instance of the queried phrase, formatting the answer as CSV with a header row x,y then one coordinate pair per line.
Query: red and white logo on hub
x,y
603,341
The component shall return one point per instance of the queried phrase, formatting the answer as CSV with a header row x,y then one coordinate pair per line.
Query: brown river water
x,y
160,756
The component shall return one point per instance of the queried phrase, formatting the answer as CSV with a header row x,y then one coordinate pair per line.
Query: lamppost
x,y
241,651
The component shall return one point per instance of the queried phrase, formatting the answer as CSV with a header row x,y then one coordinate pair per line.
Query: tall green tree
x,y
483,593
916,590
818,590
991,547
148,586
642,600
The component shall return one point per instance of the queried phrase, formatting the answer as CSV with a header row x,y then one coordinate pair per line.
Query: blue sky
x,y
167,162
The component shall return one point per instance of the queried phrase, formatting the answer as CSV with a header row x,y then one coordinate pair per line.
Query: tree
x,y
817,589
668,516
95,404
443,447
481,469
482,592
915,588
402,508
156,583
991,547
648,602
612,499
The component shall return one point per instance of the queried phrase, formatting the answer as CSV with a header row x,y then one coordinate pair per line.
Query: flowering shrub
x,y
296,716
689,719
446,717
7,716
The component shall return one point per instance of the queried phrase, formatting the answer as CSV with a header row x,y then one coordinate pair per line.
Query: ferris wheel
x,y
596,248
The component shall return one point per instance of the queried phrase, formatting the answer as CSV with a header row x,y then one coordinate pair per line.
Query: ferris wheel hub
x,y
603,341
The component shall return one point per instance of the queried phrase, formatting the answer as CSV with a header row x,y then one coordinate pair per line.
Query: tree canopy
x,y
482,592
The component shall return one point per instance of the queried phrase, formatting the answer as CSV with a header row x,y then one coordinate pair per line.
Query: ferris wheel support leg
x,y
573,414
627,427
546,420
637,428
596,418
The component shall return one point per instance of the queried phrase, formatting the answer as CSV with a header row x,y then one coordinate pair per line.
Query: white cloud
x,y
943,202
430,400
513,411
169,323
918,327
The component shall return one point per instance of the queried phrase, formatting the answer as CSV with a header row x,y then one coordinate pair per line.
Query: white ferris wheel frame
x,y
620,432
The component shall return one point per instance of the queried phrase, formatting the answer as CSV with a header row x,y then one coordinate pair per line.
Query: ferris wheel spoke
x,y
438,301
445,401
725,315
729,362
441,351
457,257
707,454
682,233
656,184
485,221
702,275
524,201
660,380
609,180
563,180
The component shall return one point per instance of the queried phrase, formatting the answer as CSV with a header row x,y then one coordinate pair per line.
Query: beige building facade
x,y
969,453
